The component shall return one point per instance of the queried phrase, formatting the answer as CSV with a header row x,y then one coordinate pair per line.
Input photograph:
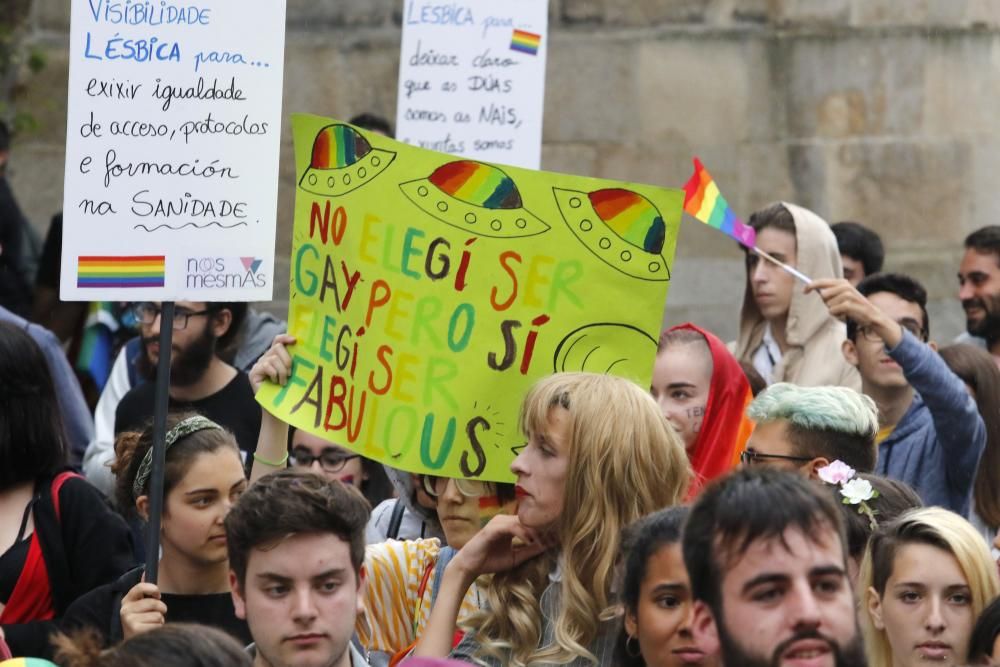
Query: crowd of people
x,y
822,491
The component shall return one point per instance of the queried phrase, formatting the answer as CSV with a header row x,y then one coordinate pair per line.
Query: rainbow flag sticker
x,y
120,271
525,42
703,201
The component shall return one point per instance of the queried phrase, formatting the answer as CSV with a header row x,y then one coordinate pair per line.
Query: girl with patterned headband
x,y
203,476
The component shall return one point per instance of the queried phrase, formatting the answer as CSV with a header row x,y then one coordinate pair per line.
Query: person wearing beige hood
x,y
786,334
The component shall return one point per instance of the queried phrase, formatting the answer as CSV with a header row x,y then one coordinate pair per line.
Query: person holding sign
x,y
599,456
787,334
203,477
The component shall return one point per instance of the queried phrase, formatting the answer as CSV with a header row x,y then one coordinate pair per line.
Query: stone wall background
x,y
880,111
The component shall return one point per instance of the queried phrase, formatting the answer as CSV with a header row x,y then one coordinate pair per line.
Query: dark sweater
x,y
232,407
89,545
100,610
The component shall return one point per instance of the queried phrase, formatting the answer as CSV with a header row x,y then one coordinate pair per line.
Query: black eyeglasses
x,y
752,456
470,488
869,334
330,460
147,312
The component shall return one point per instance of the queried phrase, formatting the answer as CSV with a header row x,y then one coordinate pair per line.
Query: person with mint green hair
x,y
808,428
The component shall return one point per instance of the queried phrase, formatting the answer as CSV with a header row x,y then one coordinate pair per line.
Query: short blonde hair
x,y
624,463
929,525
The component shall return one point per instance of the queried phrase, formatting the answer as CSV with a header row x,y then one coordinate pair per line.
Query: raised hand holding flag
x,y
704,202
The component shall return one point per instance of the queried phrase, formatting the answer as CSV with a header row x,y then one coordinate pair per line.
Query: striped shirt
x,y
398,598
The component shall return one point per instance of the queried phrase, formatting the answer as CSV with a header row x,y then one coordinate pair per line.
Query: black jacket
x,y
87,546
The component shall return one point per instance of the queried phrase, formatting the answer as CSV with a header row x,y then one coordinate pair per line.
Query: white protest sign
x,y
174,118
472,78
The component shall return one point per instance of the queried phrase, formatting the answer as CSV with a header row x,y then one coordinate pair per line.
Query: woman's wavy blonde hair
x,y
624,462
934,526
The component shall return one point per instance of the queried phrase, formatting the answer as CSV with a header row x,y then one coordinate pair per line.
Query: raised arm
x,y
272,443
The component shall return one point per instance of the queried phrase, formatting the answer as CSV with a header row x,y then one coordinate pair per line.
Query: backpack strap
x,y
396,520
57,484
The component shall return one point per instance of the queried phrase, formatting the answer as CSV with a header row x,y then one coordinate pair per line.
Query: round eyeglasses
x,y
470,488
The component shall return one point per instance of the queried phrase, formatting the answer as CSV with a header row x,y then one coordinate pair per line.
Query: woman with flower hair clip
x,y
202,478
883,500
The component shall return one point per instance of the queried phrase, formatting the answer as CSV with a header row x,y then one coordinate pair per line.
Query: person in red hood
x,y
703,393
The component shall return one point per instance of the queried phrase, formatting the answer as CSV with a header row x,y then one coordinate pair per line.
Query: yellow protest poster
x,y
428,292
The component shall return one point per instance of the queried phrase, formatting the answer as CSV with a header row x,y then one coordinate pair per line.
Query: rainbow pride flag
x,y
525,42
119,271
703,201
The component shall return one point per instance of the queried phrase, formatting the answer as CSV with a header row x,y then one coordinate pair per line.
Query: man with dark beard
x,y
767,558
199,380
979,289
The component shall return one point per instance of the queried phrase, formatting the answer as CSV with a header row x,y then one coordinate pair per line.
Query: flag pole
x,y
795,272
162,397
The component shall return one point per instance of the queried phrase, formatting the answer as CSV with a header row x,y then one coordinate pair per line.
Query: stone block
x,y
708,292
918,193
853,85
50,15
590,90
961,84
566,158
636,13
582,11
930,13
654,12
325,14
811,12
702,90
43,96
341,82
36,177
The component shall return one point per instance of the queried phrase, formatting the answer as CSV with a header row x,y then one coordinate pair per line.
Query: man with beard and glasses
x,y
979,289
249,335
767,557
200,381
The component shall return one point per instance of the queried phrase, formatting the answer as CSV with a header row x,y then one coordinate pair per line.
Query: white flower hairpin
x,y
853,490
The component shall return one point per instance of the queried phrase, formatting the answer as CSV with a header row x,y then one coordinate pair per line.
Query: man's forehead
x,y
793,551
982,261
300,556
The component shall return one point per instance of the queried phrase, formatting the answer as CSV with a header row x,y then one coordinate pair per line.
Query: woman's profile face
x,y
335,463
541,470
192,527
682,377
661,623
926,609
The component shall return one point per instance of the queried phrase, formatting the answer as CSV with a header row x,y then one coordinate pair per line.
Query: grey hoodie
x,y
416,522
814,337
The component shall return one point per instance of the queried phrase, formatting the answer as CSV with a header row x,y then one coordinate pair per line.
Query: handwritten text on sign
x,y
428,292
472,78
172,150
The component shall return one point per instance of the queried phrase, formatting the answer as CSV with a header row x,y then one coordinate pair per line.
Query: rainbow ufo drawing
x,y
621,227
476,198
342,161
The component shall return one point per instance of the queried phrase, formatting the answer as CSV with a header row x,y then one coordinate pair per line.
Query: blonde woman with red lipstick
x,y
599,455
924,581
656,594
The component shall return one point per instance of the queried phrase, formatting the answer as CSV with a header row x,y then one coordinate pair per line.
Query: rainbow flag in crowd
x,y
525,42
118,271
703,201
97,345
